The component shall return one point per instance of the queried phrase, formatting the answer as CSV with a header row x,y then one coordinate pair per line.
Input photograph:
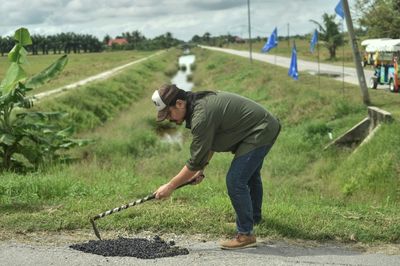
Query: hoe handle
x,y
139,201
123,207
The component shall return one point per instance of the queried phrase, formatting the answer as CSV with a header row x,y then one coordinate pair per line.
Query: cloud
x,y
26,12
183,18
218,4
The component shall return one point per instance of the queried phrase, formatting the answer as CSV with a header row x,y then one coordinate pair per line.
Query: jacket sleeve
x,y
203,135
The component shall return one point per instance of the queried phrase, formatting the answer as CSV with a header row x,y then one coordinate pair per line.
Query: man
x,y
222,122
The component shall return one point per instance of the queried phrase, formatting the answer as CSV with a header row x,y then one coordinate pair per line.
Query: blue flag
x,y
293,64
272,41
339,9
314,41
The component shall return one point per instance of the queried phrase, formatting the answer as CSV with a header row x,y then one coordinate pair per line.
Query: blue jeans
x,y
245,189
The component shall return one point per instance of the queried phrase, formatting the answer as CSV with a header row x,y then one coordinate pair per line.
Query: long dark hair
x,y
191,99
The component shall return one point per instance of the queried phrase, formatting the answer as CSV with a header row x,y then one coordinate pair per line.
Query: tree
x,y
136,39
380,18
196,39
4,45
206,37
106,39
329,34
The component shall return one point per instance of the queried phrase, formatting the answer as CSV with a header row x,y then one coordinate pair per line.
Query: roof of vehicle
x,y
371,41
383,45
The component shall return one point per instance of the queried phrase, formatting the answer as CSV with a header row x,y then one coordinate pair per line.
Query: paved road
x,y
350,73
200,253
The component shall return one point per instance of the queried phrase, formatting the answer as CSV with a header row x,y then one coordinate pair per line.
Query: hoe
x,y
126,206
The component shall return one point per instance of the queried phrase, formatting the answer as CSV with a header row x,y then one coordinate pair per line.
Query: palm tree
x,y
136,38
93,44
196,38
36,42
106,39
2,46
329,34
206,37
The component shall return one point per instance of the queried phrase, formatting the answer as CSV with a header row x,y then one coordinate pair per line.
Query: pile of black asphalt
x,y
132,247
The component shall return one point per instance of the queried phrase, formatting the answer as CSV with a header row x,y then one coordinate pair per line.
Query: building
x,y
117,41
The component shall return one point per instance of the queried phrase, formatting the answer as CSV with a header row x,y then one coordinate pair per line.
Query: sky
x,y
182,18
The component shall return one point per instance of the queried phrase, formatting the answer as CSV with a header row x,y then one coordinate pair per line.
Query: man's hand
x,y
197,178
164,191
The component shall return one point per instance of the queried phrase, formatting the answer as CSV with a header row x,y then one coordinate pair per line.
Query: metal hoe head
x,y
96,231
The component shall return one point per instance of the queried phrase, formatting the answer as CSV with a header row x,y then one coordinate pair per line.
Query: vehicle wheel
x,y
373,83
391,85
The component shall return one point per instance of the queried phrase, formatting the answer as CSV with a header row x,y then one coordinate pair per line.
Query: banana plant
x,y
28,139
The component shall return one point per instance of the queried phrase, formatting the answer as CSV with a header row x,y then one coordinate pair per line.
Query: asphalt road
x,y
334,71
44,251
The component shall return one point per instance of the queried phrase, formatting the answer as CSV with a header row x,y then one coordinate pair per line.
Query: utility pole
x,y
248,15
288,39
356,53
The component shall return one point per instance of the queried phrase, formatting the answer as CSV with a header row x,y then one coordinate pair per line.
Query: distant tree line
x,y
137,41
220,40
223,40
84,43
56,44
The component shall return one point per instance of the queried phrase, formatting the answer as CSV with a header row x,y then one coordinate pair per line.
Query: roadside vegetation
x,y
310,193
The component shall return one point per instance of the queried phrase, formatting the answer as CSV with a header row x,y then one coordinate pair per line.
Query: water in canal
x,y
181,81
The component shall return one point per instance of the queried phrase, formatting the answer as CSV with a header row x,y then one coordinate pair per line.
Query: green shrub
x,y
210,66
317,129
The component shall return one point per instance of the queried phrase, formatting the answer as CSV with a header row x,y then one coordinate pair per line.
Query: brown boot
x,y
240,241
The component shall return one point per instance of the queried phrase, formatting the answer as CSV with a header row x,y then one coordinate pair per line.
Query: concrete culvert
x,y
132,247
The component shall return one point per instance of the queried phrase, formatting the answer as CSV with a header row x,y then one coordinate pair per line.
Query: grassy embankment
x,y
309,193
79,66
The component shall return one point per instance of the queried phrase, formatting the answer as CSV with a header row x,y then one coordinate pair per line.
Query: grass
x,y
310,193
79,66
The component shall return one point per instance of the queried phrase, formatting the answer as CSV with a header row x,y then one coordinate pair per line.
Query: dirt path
x,y
41,248
101,76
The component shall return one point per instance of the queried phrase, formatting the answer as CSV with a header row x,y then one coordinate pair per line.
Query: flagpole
x,y
319,74
288,38
275,62
248,14
343,60
314,41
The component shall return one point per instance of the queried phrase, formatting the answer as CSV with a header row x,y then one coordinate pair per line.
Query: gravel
x,y
132,247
